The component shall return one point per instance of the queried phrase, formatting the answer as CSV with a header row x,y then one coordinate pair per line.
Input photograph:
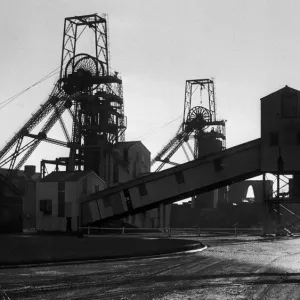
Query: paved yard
x,y
231,268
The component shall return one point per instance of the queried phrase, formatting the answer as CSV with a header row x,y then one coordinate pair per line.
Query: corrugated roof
x,y
65,176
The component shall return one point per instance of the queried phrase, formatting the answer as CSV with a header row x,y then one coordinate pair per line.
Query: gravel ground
x,y
231,268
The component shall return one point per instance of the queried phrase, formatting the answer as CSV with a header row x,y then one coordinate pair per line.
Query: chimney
x,y
29,171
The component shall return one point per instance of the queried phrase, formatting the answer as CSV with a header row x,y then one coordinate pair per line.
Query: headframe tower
x,y
89,92
199,124
200,133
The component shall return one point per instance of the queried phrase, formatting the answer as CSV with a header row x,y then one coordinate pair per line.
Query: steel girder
x,y
170,149
58,110
200,176
36,118
21,150
56,104
62,123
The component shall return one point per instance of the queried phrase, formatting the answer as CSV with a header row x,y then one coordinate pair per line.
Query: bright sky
x,y
251,48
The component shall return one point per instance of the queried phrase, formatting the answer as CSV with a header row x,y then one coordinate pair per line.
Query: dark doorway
x,y
69,224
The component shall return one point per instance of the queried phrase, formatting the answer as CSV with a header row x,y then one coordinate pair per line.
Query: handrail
x,y
167,230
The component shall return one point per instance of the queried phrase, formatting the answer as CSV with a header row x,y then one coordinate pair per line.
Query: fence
x,y
168,231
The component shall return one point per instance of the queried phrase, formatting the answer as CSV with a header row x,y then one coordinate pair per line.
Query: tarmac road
x,y
231,268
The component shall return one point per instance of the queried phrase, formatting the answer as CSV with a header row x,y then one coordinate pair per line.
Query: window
x,y
290,105
218,164
106,202
137,156
46,206
142,190
179,177
128,200
274,139
61,186
84,185
96,188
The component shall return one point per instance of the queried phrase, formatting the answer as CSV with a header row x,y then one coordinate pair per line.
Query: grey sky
x,y
251,48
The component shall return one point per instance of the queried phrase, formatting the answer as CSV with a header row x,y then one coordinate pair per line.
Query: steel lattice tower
x,y
92,96
199,123
200,130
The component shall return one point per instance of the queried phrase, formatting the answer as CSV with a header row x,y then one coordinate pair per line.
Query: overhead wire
x,y
146,135
12,98
52,73
55,71
4,103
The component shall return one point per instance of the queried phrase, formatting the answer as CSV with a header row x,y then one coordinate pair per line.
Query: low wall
x,y
45,249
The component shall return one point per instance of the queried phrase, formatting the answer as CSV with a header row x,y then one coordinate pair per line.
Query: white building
x,y
58,198
58,195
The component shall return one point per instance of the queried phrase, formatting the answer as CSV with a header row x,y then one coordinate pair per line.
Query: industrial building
x,y
107,178
133,160
238,209
22,184
58,198
11,209
92,94
276,152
